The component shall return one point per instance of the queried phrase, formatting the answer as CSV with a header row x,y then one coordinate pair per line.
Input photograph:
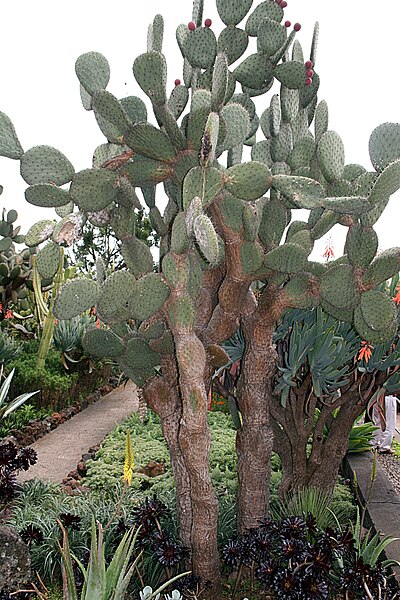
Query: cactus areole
x,y
227,225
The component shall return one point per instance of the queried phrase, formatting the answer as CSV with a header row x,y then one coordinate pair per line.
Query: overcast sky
x,y
40,41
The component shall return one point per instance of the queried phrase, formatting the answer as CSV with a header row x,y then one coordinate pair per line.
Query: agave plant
x,y
7,408
9,348
67,338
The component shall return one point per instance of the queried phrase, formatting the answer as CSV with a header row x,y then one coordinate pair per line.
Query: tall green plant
x,y
227,224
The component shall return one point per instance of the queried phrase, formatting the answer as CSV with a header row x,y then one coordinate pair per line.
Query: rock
x,y
81,468
15,562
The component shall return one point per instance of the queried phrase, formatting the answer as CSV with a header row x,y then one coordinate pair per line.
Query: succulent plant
x,y
222,229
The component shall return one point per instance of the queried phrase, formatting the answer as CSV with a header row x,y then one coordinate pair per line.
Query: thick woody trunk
x,y
254,439
163,398
195,444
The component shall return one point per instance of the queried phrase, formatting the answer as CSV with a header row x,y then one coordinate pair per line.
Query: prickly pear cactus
x,y
224,225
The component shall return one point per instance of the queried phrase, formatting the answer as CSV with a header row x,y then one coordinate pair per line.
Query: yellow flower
x,y
129,460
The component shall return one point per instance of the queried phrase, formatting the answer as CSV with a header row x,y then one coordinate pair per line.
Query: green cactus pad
x,y
237,123
302,191
266,9
291,74
85,98
10,146
371,217
387,183
66,209
378,310
174,274
370,335
298,293
178,100
233,42
101,343
341,314
75,298
248,181
353,171
182,313
363,184
143,171
233,11
326,221
135,108
46,195
205,184
321,120
152,328
261,152
282,144
5,245
232,210
251,257
137,256
140,356
309,92
200,47
338,287
109,108
270,37
340,188
251,223
194,209
157,222
209,140
254,72
361,245
180,240
93,72
163,345
207,239
288,258
114,297
48,260
383,267
195,275
331,157
39,232
273,223
219,81
148,296
44,164
303,239
352,206
150,71
275,115
384,145
301,154
94,189
290,103
149,141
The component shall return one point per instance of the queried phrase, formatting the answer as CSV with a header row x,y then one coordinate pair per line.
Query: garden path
x,y
60,450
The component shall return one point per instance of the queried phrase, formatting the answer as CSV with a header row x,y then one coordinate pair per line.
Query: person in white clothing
x,y
384,417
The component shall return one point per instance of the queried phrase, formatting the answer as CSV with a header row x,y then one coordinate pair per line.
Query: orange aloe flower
x,y
329,251
8,314
396,298
97,323
365,352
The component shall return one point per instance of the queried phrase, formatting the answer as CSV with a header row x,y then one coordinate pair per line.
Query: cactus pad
x,y
289,258
233,42
205,184
251,257
137,256
338,287
370,335
149,141
378,310
248,181
93,72
150,71
255,71
100,343
48,260
233,11
109,108
273,223
361,245
266,9
44,164
270,37
237,123
9,142
75,298
200,47
46,195
182,313
291,74
331,157
383,267
206,238
94,189
39,232
384,145
302,191
148,296
115,293
387,183
297,290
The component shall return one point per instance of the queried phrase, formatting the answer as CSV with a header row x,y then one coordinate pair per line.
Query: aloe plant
x,y
227,225
6,408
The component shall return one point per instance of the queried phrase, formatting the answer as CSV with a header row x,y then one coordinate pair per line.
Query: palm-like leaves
x,y
7,409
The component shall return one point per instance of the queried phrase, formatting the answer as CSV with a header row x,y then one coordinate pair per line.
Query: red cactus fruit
x,y
284,4
308,81
177,82
208,22
192,25
309,72
309,64
287,23
278,1
297,27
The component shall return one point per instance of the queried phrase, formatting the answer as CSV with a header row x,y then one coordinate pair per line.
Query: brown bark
x,y
162,395
255,438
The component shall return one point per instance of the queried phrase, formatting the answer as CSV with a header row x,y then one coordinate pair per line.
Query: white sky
x,y
40,41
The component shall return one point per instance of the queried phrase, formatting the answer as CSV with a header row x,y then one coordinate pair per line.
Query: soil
x,y
61,450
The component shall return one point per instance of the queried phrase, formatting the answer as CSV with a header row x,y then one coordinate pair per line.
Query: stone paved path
x,y
60,450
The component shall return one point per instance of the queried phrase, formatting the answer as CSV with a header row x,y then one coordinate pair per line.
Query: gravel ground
x,y
391,465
